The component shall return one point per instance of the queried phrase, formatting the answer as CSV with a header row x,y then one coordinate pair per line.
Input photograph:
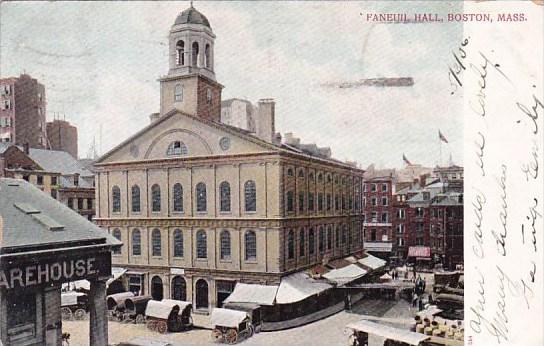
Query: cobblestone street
x,y
329,331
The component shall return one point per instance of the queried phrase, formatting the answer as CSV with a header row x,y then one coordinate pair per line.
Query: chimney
x,y
26,148
290,139
265,120
277,138
153,117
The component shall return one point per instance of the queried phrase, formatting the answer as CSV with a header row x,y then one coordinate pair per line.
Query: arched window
x,y
157,292
224,195
301,173
201,199
201,289
311,242
156,243
179,288
329,237
207,52
201,244
117,234
320,178
180,52
321,240
178,243
225,245
178,197
136,242
290,172
250,194
329,178
345,235
135,199
251,245
290,202
116,199
176,148
155,198
290,245
195,54
337,236
301,243
311,177
178,93
301,202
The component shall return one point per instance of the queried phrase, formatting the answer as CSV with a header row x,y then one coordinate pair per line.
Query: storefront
x,y
44,244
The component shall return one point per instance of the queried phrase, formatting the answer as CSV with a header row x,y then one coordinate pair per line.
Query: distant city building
x,y
56,173
22,111
62,136
378,214
202,206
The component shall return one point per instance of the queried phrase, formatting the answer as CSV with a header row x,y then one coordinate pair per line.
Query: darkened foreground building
x,y
42,245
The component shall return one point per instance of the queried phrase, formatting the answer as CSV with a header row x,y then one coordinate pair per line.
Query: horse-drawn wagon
x,y
74,305
135,309
168,315
230,325
116,305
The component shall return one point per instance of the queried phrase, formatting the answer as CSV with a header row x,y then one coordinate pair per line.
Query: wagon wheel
x,y
111,315
80,314
151,325
66,314
190,319
231,336
140,319
250,330
162,327
217,335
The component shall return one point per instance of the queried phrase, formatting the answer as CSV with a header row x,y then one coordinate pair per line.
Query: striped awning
x,y
419,251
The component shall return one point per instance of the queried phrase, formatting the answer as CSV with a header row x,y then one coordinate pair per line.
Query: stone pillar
x,y
52,323
98,325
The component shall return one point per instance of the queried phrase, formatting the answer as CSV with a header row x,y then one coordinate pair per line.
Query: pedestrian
x,y
414,300
420,304
424,284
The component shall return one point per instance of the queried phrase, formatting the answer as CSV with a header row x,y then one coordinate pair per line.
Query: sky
x,y
100,63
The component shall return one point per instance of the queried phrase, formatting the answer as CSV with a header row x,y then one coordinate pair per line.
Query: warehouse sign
x,y
55,271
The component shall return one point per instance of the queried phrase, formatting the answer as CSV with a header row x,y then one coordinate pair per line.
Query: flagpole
x,y
440,162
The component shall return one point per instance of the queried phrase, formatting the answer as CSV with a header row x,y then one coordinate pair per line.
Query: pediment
x,y
186,136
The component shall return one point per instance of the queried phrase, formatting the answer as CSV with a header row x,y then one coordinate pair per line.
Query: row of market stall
x,y
306,296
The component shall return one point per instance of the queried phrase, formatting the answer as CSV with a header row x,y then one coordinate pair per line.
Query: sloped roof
x,y
4,146
251,293
297,287
58,161
411,338
227,317
345,275
34,220
372,262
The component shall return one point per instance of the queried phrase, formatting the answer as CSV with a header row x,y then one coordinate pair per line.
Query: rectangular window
x,y
301,202
310,201
54,193
374,201
53,180
329,202
384,187
400,228
80,203
21,309
419,212
374,216
71,203
89,203
39,179
401,214
385,217
384,201
320,201
76,180
336,202
135,284
373,188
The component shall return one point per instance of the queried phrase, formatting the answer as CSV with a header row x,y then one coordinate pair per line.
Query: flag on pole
x,y
442,138
405,159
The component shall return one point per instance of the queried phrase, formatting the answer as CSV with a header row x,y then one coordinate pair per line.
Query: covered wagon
x,y
168,315
230,325
135,309
74,305
116,305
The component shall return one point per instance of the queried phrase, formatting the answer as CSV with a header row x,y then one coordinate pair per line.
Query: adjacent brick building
x,y
62,136
22,111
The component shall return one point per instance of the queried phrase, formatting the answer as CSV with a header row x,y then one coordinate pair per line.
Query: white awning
x,y
117,273
227,318
372,262
297,287
249,293
388,332
345,275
